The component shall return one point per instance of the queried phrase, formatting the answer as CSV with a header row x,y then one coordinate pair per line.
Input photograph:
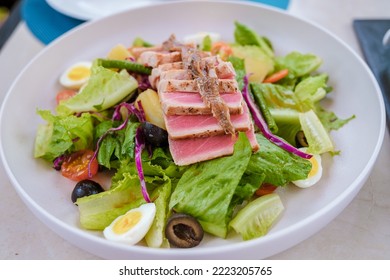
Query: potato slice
x,y
119,52
152,108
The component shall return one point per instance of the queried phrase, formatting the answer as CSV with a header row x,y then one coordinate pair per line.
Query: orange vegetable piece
x,y
265,188
277,76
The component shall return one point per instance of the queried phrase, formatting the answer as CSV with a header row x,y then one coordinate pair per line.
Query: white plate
x,y
93,9
47,193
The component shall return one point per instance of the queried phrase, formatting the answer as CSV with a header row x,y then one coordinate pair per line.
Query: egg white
x,y
313,178
70,83
135,233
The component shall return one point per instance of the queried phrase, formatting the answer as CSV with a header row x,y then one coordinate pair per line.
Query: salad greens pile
x,y
98,118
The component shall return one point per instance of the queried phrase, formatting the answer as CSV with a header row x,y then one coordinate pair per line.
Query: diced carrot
x,y
265,188
277,76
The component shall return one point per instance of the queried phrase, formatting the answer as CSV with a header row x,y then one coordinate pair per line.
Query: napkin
x,y
370,33
47,24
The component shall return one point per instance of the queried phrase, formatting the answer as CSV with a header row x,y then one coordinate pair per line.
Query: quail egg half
x,y
315,173
131,227
76,75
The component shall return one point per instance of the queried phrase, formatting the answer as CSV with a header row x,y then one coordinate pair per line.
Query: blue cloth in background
x,y
44,22
370,33
47,24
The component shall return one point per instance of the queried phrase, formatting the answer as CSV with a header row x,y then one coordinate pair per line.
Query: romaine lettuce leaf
x,y
311,90
279,166
62,134
117,145
155,237
206,189
246,36
298,64
315,133
104,89
99,210
330,120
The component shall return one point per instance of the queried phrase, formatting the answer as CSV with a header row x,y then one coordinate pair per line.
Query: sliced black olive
x,y
155,135
85,188
300,139
183,231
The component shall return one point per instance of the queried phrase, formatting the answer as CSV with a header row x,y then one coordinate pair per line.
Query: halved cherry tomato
x,y
265,188
65,94
77,166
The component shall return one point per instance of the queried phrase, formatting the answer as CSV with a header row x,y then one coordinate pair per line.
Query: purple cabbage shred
x,y
262,125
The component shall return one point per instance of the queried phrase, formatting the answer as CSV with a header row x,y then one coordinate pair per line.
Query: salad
x,y
196,134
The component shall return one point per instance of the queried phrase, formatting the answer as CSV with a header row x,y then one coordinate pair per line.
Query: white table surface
x,y
361,231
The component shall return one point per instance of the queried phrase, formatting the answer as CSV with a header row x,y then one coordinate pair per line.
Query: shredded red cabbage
x,y
120,127
262,125
139,113
139,140
115,117
139,146
143,81
57,162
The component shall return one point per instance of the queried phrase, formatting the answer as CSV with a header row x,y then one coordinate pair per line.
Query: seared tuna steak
x,y
202,104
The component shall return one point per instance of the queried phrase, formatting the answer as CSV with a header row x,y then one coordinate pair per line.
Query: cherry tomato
x,y
77,166
265,188
65,94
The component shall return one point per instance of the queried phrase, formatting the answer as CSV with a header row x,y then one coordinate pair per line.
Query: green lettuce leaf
x,y
206,189
330,120
245,36
104,89
117,145
279,166
298,64
62,134
311,90
99,210
155,237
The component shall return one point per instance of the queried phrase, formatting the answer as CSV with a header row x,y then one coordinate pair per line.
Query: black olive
x,y
300,139
183,231
154,135
85,188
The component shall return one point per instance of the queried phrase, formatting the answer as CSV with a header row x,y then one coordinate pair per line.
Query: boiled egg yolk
x,y
315,173
76,75
131,227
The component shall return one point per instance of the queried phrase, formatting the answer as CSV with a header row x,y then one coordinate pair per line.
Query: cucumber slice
x,y
257,217
316,135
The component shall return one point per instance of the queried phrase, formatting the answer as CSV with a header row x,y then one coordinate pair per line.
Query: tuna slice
x,y
193,150
184,103
175,71
203,125
154,59
224,85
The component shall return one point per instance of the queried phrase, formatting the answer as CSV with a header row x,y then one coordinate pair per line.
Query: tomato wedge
x,y
77,166
266,188
65,95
